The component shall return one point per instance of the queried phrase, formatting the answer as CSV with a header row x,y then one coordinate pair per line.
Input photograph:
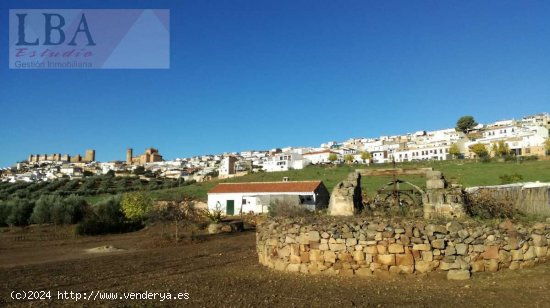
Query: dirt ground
x,y
222,271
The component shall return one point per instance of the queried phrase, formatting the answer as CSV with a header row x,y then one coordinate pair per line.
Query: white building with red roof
x,y
255,197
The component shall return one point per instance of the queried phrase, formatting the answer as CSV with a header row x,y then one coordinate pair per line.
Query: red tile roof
x,y
266,187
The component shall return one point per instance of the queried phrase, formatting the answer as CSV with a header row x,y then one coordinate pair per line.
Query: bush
x,y
483,204
510,178
95,226
283,208
107,217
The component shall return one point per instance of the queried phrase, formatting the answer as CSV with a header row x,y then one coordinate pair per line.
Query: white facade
x,y
422,153
253,202
284,162
321,157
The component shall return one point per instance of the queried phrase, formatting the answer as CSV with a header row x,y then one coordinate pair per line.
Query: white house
x,y
235,198
321,157
284,162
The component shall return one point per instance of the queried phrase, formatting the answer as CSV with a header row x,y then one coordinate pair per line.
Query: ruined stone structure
x,y
382,247
442,199
89,157
150,155
346,196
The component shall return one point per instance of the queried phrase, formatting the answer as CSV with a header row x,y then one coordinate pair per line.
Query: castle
x,y
88,157
151,155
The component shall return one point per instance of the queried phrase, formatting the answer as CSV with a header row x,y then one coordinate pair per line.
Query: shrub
x,y
483,204
283,208
107,217
510,178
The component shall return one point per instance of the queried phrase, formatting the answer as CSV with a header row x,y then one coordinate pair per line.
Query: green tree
x,y
454,150
547,146
43,208
136,205
465,123
21,212
139,170
501,148
365,155
348,158
332,157
480,150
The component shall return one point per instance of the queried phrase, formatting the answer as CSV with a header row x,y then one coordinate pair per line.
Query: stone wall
x,y
358,247
530,198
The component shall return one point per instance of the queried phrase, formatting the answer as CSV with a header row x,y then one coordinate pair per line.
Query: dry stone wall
x,y
382,248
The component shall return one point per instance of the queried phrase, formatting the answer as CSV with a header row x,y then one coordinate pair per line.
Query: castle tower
x,y
90,155
129,155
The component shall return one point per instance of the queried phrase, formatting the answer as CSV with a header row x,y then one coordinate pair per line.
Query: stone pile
x,y
383,248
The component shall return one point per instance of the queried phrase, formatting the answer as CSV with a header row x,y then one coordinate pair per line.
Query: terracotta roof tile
x,y
266,187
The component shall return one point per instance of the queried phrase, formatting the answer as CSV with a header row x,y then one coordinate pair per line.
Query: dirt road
x,y
223,271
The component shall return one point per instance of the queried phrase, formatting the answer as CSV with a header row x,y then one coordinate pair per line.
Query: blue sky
x,y
262,74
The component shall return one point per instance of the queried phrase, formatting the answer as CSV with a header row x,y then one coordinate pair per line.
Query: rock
x,y
404,259
381,249
491,252
451,250
423,247
337,247
458,275
515,265
461,249
478,266
395,270
385,259
373,250
427,256
454,226
517,255
438,244
530,253
363,272
329,256
504,256
539,240
424,266
541,251
351,242
396,248
313,236
491,265
358,256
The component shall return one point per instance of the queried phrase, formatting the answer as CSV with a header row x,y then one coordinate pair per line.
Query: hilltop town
x,y
524,138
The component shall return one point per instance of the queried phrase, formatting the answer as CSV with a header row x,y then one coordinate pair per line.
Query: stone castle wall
x,y
382,248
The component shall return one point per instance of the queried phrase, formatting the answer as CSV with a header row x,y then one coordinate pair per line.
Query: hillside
x,y
467,173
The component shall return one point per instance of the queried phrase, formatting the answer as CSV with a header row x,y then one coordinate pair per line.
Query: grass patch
x,y
465,172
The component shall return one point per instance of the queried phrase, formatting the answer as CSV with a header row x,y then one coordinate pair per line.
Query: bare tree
x,y
182,213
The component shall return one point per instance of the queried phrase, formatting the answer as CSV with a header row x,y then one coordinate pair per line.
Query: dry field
x,y
222,271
